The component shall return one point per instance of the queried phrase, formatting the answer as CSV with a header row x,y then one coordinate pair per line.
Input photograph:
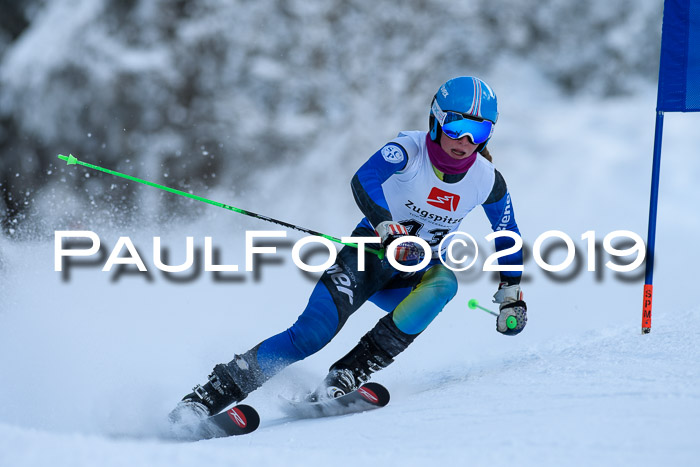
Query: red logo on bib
x,y
443,200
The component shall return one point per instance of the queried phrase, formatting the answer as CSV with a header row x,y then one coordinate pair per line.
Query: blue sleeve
x,y
499,210
367,182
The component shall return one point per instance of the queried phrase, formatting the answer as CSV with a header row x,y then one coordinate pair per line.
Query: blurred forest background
x,y
211,93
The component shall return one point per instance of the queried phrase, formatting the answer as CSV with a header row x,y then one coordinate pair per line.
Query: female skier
x,y
421,184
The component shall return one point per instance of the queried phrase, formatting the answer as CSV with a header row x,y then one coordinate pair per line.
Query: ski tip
x,y
70,159
375,393
250,419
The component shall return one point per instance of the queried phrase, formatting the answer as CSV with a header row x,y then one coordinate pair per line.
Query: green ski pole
x,y
72,160
511,321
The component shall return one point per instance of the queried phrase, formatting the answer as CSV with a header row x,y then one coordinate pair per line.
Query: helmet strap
x,y
435,130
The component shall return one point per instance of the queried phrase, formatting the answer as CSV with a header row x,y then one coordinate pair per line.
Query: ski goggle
x,y
456,125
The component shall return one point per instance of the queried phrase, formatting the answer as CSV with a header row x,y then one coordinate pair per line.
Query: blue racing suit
x,y
413,299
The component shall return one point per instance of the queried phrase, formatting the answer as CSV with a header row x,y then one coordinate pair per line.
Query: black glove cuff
x,y
515,304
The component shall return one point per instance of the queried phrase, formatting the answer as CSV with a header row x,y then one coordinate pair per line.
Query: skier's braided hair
x,y
487,155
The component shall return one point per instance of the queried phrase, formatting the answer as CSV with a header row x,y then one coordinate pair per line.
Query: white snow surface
x,y
92,365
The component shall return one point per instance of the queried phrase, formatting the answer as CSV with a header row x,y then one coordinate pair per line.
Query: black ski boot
x,y
338,382
229,383
376,350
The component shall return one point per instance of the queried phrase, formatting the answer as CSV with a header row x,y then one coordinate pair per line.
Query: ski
x,y
239,420
369,396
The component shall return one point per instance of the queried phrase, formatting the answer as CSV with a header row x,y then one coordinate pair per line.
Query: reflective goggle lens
x,y
456,126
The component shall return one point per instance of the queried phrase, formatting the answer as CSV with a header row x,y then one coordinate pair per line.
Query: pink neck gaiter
x,y
443,162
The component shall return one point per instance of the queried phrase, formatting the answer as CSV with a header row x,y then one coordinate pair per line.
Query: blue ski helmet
x,y
464,106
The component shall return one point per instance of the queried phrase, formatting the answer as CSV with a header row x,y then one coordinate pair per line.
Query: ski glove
x,y
389,231
407,253
512,316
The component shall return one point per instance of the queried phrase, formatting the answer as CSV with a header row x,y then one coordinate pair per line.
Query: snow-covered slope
x,y
605,398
